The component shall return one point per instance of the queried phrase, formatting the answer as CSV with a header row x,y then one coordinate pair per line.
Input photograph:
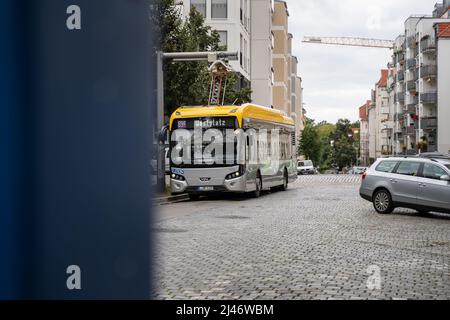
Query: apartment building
x,y
417,58
416,118
372,129
281,57
395,90
262,52
231,19
266,63
377,122
443,84
364,133
384,119
287,85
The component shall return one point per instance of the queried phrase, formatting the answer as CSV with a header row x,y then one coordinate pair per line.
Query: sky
x,y
338,80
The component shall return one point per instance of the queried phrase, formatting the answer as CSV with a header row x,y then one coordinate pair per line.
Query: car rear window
x,y
386,166
431,171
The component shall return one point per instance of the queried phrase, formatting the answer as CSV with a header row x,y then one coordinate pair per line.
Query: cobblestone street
x,y
318,240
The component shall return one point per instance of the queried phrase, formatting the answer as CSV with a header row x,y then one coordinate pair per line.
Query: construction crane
x,y
349,41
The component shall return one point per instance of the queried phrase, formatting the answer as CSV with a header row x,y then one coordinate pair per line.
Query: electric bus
x,y
236,149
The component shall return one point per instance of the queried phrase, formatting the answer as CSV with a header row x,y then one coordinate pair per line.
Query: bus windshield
x,y
203,142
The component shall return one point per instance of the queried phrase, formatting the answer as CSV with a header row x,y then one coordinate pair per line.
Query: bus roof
x,y
245,111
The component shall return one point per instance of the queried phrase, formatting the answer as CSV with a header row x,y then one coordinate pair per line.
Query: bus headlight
x,y
233,176
177,177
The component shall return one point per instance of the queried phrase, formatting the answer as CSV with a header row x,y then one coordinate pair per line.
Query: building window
x,y
200,6
242,12
219,9
223,39
241,52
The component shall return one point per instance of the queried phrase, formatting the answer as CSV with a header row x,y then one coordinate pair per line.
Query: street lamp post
x,y
175,57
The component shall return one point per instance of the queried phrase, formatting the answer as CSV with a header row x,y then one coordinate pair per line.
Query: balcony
x,y
410,63
411,86
409,131
429,98
392,85
388,125
427,45
400,57
411,42
398,116
399,97
428,71
410,109
385,110
400,75
429,123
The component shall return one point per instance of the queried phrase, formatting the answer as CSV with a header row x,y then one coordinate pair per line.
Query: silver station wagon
x,y
416,183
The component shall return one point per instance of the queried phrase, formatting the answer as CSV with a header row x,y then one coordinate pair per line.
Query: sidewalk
x,y
165,198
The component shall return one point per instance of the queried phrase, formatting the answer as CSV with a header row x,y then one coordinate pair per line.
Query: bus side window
x,y
247,149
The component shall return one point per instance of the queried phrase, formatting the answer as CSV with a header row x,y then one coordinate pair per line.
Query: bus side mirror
x,y
445,178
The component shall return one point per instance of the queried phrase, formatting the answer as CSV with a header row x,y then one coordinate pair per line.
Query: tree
x,y
310,146
188,83
325,131
344,150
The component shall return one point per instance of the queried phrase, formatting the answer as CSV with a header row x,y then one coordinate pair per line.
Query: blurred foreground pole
x,y
78,103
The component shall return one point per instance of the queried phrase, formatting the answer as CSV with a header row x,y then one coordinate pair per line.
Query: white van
x,y
305,167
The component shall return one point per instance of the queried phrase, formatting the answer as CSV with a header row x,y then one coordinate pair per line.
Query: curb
x,y
170,199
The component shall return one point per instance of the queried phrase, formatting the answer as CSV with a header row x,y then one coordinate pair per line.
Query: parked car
x,y
358,170
422,184
305,167
435,155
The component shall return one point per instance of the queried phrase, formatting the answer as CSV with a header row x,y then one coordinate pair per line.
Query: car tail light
x,y
364,175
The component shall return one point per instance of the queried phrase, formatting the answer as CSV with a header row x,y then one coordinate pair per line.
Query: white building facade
x,y
418,90
232,20
262,52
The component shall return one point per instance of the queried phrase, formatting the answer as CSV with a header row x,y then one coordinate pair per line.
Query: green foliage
x,y
310,145
329,145
188,83
344,152
344,148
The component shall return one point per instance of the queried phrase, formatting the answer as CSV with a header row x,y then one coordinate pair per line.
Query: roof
x,y
285,5
245,111
383,80
364,111
443,30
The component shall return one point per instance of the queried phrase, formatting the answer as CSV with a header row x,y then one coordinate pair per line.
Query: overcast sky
x,y
337,80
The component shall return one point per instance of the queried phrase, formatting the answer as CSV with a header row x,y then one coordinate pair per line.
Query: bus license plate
x,y
205,188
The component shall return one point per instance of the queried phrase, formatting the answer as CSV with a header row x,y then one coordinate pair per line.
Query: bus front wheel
x,y
258,183
284,187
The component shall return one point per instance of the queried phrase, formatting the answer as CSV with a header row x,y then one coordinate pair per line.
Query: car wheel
x,y
382,202
284,187
258,183
194,197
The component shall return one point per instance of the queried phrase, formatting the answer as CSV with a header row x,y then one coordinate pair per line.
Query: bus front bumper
x,y
237,185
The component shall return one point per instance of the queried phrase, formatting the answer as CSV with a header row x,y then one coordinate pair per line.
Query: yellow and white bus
x,y
240,149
